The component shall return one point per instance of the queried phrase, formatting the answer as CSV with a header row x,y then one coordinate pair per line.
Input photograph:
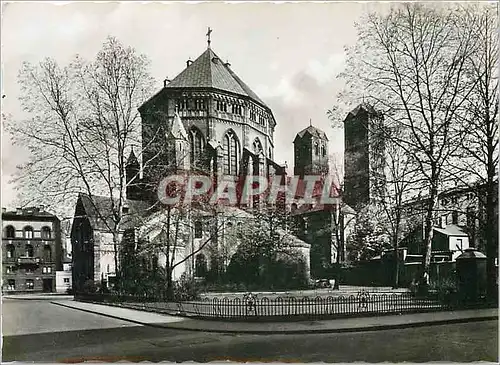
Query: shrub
x,y
89,287
186,288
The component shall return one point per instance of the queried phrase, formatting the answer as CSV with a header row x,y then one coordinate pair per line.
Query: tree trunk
x,y
491,244
170,285
431,208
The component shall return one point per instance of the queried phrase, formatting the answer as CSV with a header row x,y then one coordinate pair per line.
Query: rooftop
x,y
209,71
312,131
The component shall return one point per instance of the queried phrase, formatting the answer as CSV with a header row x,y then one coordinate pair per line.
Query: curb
x,y
173,325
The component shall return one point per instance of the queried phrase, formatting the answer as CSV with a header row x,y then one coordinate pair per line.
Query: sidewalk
x,y
295,327
38,296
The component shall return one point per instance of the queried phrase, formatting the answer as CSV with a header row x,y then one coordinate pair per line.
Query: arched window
x,y
47,253
257,146
11,250
46,233
323,150
316,149
28,251
197,145
28,232
198,229
231,153
229,225
201,265
10,232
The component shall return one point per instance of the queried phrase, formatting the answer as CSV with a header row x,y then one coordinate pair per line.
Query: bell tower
x,y
311,152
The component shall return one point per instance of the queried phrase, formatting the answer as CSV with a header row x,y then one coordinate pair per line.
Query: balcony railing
x,y
28,260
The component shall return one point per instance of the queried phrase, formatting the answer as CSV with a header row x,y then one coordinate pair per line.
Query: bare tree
x,y
412,64
82,122
478,155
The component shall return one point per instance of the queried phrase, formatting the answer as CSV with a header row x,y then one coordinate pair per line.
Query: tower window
x,y
323,150
253,116
221,106
237,109
197,145
316,149
231,153
182,104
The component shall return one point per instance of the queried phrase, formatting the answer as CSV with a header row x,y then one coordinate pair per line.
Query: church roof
x,y
313,131
209,71
363,107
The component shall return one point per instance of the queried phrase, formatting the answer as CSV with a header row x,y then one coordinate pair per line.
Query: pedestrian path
x,y
316,326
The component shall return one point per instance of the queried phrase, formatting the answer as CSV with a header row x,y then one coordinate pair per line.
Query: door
x,y
47,285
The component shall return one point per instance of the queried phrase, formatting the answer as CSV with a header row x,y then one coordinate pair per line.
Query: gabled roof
x,y
312,131
210,71
132,159
99,211
451,230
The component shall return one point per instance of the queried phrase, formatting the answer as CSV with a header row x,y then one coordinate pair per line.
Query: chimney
x,y
166,82
188,63
19,211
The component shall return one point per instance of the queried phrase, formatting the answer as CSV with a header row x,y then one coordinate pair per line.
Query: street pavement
x,y
53,333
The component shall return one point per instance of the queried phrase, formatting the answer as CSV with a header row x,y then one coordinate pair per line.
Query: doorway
x,y
47,285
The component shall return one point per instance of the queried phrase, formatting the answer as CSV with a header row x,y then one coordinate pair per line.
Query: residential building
x,y
31,250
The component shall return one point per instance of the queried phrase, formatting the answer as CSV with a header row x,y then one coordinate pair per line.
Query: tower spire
x,y
209,31
310,122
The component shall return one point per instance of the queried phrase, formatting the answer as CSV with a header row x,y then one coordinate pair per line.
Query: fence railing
x,y
253,307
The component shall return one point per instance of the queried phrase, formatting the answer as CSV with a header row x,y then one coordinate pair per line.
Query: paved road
x,y
91,337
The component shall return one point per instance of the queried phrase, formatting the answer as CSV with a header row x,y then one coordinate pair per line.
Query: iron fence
x,y
253,307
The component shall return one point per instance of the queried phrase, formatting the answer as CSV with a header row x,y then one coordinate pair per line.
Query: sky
x,y
288,53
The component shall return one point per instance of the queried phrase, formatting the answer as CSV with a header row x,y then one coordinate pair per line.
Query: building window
x,y
30,284
253,116
66,280
201,265
28,251
10,251
29,270
47,270
323,150
316,149
28,232
197,144
237,109
10,232
221,106
198,229
454,217
182,104
9,269
199,104
231,153
11,284
46,233
47,253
